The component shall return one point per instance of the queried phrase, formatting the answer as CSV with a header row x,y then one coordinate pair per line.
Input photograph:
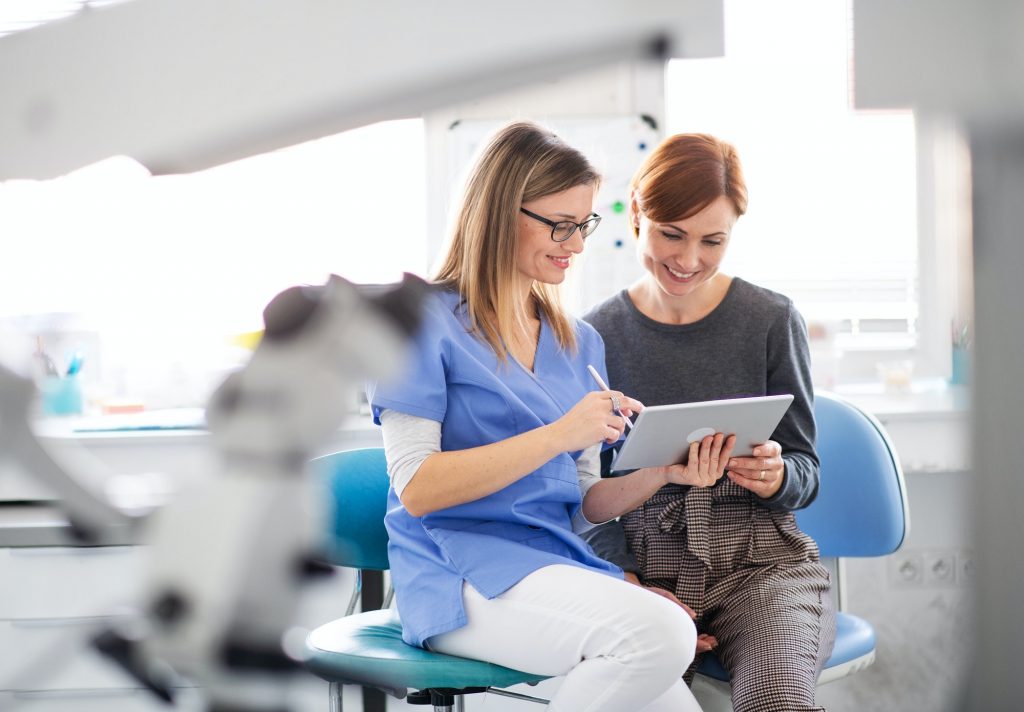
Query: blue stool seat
x,y
367,649
854,649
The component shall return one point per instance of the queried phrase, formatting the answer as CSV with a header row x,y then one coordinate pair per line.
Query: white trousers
x,y
618,646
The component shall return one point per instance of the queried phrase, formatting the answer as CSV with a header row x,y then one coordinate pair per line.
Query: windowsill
x,y
924,399
181,449
176,423
927,422
168,423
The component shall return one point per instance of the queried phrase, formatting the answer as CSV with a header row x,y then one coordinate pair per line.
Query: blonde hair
x,y
522,162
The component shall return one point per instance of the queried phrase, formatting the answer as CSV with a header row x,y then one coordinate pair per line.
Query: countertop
x,y
911,415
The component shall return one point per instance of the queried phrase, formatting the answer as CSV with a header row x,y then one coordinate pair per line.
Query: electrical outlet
x,y
940,568
965,567
906,569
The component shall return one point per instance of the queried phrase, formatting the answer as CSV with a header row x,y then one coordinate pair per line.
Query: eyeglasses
x,y
563,229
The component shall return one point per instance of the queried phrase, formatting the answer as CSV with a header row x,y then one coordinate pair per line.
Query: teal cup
x,y
961,371
62,396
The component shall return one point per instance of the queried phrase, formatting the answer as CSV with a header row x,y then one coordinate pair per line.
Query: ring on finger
x,y
761,476
616,404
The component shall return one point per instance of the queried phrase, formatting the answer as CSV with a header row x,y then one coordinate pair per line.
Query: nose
x,y
686,256
575,243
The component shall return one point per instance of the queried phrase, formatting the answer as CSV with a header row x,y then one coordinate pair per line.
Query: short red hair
x,y
685,174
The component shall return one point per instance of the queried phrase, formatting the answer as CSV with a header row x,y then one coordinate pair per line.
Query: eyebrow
x,y
722,233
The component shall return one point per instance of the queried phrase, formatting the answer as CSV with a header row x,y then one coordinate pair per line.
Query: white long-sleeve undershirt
x,y
410,439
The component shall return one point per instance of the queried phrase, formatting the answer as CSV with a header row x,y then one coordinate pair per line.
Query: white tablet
x,y
662,434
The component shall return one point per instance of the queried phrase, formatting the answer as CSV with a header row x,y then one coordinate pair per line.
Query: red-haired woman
x,y
729,548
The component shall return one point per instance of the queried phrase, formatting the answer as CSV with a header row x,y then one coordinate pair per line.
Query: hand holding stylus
x,y
616,407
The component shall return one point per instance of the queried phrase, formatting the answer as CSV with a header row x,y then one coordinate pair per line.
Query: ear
x,y
634,213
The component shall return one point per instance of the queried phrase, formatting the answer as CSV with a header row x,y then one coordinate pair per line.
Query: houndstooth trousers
x,y
754,580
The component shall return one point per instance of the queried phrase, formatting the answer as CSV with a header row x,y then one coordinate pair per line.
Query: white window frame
x,y
944,239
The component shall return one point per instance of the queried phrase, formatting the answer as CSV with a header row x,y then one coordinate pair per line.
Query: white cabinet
x,y
930,427
91,700
931,443
67,582
52,601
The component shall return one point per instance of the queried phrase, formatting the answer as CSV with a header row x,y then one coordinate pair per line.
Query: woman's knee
x,y
665,631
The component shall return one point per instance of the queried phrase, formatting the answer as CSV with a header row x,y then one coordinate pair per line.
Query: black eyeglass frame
x,y
594,219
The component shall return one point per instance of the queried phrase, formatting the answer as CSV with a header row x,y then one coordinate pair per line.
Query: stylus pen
x,y
604,387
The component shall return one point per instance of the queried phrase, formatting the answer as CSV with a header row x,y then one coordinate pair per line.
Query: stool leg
x,y
460,703
334,693
441,702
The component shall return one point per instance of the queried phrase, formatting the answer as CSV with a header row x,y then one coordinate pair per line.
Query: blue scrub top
x,y
455,378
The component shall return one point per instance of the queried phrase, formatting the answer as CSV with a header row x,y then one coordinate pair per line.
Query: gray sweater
x,y
754,343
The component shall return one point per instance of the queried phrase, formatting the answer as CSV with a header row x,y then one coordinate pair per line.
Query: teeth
x,y
680,275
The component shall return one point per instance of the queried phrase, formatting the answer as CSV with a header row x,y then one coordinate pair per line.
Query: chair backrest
x,y
861,508
357,489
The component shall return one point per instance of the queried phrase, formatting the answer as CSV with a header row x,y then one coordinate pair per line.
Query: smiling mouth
x,y
562,262
678,276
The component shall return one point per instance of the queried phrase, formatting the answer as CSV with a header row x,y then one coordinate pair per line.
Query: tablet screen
x,y
662,434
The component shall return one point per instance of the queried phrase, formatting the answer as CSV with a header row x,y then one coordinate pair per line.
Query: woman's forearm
x,y
447,479
614,496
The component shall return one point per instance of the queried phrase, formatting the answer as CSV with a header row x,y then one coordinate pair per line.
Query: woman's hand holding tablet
x,y
665,435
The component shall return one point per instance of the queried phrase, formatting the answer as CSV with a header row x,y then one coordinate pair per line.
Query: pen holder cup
x,y
62,396
961,372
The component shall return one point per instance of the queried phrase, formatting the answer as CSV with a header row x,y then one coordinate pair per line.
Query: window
x,y
151,276
18,15
832,218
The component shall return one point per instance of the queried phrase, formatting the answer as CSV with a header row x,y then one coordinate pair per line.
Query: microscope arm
x,y
230,555
83,501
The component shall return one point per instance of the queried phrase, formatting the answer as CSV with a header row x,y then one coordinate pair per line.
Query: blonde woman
x,y
492,439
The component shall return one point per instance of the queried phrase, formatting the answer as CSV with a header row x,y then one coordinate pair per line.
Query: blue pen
x,y
604,387
75,365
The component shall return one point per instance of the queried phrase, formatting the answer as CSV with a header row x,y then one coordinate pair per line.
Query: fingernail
x,y
732,463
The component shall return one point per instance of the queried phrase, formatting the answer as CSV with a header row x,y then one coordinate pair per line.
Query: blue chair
x,y
367,648
861,510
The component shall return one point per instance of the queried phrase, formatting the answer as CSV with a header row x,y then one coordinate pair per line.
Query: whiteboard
x,y
615,145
